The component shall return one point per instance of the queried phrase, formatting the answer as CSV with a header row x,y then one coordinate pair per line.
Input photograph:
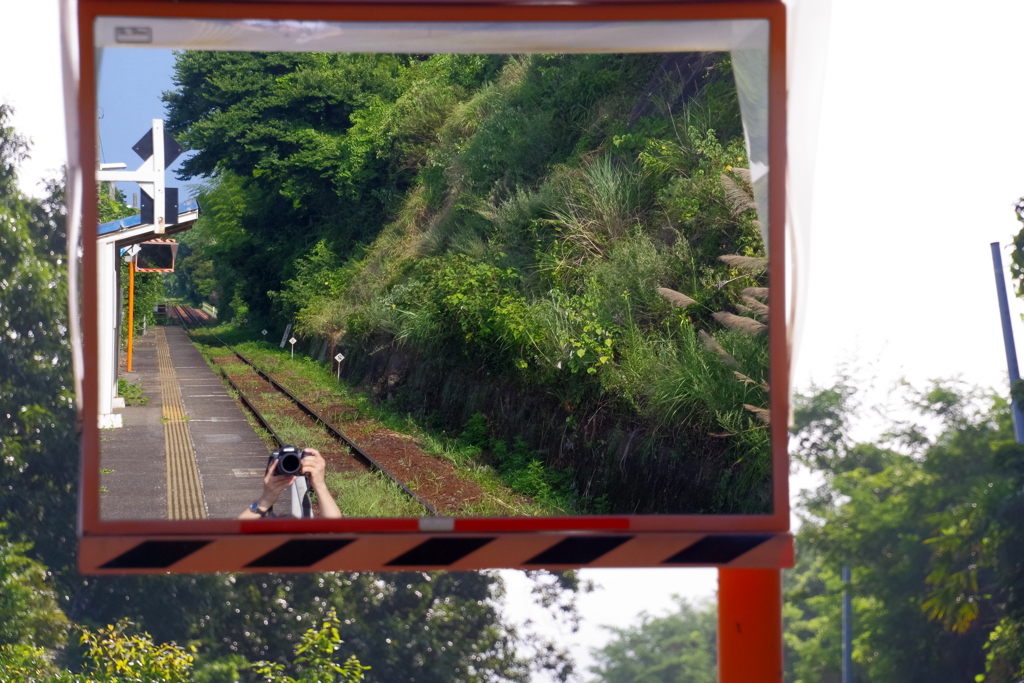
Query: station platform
x,y
187,453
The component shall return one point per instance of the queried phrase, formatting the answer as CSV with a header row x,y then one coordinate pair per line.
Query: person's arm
x,y
273,485
315,466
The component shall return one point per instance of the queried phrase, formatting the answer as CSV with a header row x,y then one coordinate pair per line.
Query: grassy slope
x,y
515,291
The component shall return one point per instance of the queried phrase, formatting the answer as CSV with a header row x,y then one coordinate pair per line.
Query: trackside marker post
x,y
292,342
339,358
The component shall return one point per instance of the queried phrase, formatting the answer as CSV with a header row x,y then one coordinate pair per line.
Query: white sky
x,y
920,159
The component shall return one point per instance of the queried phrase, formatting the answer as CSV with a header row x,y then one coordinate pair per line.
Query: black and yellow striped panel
x,y
453,551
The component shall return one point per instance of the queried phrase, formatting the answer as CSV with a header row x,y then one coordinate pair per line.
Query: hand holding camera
x,y
284,465
287,460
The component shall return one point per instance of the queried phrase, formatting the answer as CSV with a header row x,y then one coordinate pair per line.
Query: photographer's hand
x,y
273,485
315,466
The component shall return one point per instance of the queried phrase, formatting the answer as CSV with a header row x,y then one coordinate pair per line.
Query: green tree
x,y
315,658
113,205
441,627
423,626
38,446
678,648
918,517
29,612
113,655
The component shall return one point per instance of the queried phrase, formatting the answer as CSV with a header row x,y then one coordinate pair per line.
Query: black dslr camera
x,y
288,459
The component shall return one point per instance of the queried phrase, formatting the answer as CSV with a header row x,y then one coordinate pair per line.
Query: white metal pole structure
x,y
157,151
150,175
106,285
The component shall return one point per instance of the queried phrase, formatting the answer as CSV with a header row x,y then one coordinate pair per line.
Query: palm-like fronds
x,y
676,298
738,198
747,326
711,345
755,306
755,292
747,264
746,380
743,378
743,173
761,414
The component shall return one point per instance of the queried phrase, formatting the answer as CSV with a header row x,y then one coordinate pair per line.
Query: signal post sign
x,y
749,548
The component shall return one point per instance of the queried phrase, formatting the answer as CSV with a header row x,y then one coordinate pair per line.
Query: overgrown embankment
x,y
525,246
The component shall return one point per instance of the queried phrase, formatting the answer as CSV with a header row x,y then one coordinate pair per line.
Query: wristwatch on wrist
x,y
255,507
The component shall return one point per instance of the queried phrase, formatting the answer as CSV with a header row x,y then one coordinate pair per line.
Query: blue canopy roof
x,y
132,221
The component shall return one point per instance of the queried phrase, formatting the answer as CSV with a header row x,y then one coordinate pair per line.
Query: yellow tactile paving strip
x,y
184,491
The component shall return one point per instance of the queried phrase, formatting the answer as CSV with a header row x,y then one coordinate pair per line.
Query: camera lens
x,y
290,463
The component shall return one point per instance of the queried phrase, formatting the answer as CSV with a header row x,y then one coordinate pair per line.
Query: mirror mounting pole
x,y
750,625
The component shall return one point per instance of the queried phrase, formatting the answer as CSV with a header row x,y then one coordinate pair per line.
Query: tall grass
x,y
371,495
527,260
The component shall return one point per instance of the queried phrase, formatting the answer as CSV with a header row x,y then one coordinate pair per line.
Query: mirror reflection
x,y
454,284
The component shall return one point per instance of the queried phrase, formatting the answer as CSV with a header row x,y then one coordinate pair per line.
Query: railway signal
x,y
158,151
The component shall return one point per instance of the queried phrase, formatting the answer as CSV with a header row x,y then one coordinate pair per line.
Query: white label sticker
x,y
133,34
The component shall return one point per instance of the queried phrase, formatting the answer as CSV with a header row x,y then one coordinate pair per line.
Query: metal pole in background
x,y
847,630
1011,348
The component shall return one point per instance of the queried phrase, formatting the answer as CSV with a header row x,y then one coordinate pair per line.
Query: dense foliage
x,y
676,648
38,449
423,626
118,653
930,519
929,516
534,239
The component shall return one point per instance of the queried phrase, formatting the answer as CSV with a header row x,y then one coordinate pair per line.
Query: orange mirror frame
x,y
360,544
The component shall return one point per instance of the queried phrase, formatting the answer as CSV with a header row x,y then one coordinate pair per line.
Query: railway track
x,y
189,319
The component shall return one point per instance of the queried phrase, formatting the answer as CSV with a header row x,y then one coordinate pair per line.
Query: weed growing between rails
x,y
500,479
370,495
513,478
358,494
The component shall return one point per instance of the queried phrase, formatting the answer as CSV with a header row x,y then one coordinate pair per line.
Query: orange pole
x,y
131,311
749,626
